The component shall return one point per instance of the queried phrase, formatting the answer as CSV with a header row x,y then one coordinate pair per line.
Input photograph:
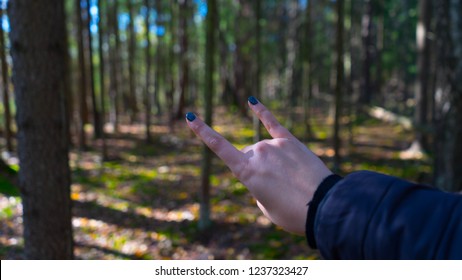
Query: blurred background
x,y
97,162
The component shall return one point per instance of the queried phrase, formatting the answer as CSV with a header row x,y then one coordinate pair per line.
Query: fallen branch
x,y
390,117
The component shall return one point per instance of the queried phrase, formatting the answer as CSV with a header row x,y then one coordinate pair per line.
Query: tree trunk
x,y
83,106
131,63
291,53
257,94
339,85
380,11
147,90
448,117
114,54
210,45
102,80
423,72
184,41
307,85
38,38
96,114
366,34
158,69
6,94
168,69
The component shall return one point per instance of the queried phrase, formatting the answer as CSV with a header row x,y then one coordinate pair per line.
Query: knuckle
x,y
242,172
213,142
260,147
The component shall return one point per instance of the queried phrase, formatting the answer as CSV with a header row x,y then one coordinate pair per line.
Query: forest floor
x,y
143,203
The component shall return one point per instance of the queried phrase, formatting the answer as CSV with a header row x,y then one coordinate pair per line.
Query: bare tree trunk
x,y
38,37
211,23
158,69
102,80
379,50
147,93
114,51
366,34
307,85
422,89
96,114
83,106
339,85
131,63
448,118
289,72
6,94
257,94
184,42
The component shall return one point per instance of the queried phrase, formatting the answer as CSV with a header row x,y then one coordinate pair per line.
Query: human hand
x,y
281,173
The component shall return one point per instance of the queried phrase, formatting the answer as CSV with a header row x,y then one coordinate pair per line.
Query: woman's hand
x,y
281,173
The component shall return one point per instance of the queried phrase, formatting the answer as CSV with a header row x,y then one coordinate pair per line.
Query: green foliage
x,y
6,188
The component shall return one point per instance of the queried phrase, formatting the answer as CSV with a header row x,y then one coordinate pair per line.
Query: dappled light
x,y
196,129
147,207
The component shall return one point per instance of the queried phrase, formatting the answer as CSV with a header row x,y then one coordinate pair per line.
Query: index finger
x,y
274,128
232,157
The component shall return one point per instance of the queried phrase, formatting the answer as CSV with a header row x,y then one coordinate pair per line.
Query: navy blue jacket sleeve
x,y
368,215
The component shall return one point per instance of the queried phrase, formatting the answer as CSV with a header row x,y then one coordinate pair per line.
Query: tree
x,y
39,54
339,85
211,23
102,80
96,113
307,85
366,56
5,84
131,61
184,43
258,50
290,59
83,107
114,62
147,90
422,88
448,98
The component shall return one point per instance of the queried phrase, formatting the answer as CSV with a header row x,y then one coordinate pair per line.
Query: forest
x,y
97,161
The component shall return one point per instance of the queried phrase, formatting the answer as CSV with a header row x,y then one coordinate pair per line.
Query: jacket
x,y
367,215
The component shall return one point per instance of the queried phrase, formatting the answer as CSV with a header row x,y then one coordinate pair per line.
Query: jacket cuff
x,y
318,196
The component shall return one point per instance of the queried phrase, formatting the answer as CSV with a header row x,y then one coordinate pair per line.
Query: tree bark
x,y
339,85
290,65
83,106
366,34
102,80
96,114
184,41
423,71
448,98
257,94
114,54
131,63
6,92
307,85
211,23
147,90
38,38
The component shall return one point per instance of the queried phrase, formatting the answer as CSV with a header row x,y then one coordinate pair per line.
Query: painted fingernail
x,y
190,116
253,100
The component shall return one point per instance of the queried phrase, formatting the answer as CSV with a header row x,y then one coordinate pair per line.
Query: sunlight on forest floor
x,y
144,202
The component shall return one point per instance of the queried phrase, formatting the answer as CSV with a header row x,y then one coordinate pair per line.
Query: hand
x,y
281,173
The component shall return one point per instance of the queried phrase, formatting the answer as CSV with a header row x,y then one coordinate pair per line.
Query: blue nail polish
x,y
253,100
190,116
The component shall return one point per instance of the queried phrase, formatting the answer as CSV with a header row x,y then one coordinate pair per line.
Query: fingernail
x,y
253,100
190,116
